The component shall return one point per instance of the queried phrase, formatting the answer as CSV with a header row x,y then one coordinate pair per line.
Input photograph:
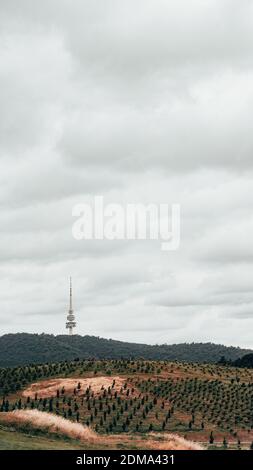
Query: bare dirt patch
x,y
48,388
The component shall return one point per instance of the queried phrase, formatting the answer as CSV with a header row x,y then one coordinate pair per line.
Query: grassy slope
x,y
17,433
17,440
237,394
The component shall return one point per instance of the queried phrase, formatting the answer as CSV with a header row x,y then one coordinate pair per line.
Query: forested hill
x,y
245,361
25,348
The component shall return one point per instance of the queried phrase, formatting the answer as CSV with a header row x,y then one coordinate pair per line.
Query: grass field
x,y
17,440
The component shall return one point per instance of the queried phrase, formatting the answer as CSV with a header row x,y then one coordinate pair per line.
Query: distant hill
x,y
245,361
24,348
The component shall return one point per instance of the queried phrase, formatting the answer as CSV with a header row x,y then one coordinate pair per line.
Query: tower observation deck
x,y
70,324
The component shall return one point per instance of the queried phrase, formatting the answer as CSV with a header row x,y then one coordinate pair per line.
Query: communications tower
x,y
70,324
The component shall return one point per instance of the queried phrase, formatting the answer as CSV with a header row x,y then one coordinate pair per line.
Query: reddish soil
x,y
48,388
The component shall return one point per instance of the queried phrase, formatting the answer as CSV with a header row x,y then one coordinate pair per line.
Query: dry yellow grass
x,y
61,426
173,442
51,422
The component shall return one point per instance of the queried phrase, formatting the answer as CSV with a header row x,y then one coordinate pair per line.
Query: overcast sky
x,y
138,101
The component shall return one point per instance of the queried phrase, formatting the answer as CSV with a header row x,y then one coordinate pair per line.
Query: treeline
x,y
24,348
244,361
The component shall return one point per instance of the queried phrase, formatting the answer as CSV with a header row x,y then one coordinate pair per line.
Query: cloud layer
x,y
140,101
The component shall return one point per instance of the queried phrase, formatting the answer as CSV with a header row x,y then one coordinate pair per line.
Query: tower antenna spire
x,y
71,323
70,293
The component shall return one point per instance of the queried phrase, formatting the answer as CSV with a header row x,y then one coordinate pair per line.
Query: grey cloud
x,y
242,312
134,140
151,33
59,245
47,179
230,243
34,75
91,122
146,101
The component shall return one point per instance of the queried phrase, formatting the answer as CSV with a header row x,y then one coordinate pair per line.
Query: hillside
x,y
245,361
24,348
75,433
128,404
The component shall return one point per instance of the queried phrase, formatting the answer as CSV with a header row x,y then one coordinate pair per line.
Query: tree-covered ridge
x,y
245,361
25,348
